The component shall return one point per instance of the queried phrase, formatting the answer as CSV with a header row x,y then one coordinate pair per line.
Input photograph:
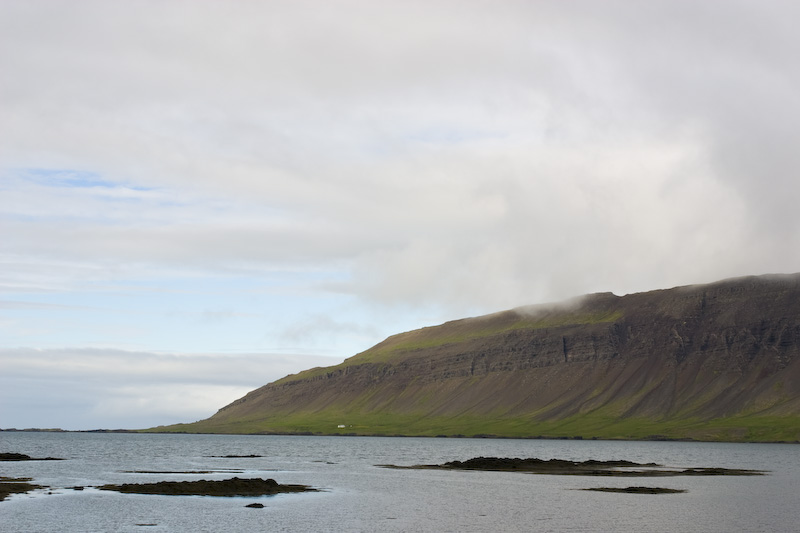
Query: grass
x,y
364,416
585,426
458,332
463,331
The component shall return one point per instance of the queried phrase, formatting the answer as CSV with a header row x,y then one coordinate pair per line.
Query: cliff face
x,y
718,361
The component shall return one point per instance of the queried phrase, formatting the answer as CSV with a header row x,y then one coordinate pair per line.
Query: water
x,y
359,496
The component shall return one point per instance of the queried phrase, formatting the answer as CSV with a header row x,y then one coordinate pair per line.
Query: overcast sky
x,y
198,198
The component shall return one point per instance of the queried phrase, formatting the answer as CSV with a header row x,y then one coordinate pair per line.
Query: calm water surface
x,y
356,495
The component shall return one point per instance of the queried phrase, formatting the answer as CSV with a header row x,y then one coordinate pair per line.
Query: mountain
x,y
708,362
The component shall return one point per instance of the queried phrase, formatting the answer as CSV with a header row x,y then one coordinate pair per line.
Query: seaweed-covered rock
x,y
638,490
535,464
227,487
11,456
10,485
618,468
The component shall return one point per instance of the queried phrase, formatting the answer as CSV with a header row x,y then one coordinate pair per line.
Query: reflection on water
x,y
358,496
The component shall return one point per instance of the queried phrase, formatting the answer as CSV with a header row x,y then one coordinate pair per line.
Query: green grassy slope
x,y
717,362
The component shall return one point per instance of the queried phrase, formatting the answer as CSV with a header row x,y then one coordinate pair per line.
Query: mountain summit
x,y
708,362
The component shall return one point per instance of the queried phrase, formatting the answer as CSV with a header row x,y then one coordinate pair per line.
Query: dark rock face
x,y
707,351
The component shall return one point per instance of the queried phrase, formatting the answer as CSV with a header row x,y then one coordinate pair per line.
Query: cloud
x,y
318,328
363,168
566,124
90,388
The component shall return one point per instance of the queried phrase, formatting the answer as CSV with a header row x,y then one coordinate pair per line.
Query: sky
x,y
198,198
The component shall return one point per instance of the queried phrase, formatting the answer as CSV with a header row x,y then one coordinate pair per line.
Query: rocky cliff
x,y
713,362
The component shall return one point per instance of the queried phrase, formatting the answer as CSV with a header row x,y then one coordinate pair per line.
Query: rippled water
x,y
356,495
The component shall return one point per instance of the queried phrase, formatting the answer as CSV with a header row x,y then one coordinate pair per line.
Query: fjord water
x,y
357,495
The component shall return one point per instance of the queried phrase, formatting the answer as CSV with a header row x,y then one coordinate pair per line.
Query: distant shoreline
x,y
654,438
59,430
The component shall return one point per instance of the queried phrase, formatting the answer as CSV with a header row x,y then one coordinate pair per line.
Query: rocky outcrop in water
x,y
12,456
564,467
637,490
11,485
227,487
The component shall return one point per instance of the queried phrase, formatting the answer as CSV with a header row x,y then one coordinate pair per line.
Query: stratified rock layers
x,y
717,361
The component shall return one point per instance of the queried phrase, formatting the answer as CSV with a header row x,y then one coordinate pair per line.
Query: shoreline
x,y
654,438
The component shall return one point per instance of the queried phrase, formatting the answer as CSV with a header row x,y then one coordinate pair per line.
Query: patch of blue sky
x,y
70,178
74,195
286,312
223,315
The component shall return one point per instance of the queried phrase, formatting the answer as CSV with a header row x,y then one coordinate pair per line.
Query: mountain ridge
x,y
718,361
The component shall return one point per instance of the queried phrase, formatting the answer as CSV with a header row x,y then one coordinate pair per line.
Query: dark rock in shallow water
x,y
10,456
251,456
580,468
256,505
533,464
9,486
227,487
637,490
226,471
14,457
